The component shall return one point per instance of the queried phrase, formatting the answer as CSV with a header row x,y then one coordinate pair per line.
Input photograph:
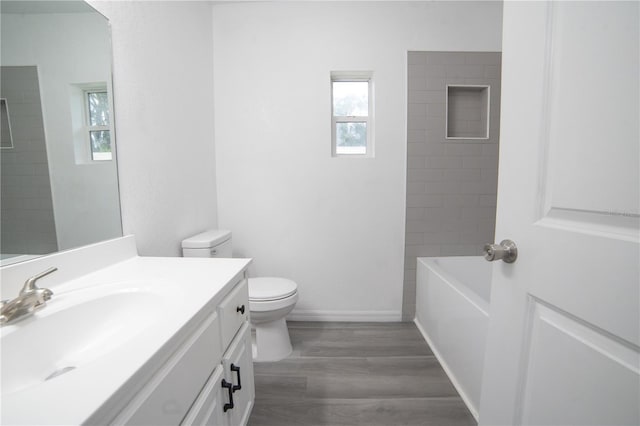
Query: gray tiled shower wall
x,y
451,183
28,225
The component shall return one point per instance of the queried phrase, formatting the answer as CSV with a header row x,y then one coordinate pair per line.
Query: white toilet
x,y
270,299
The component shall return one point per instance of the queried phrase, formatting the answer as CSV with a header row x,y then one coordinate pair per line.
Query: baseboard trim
x,y
445,367
347,316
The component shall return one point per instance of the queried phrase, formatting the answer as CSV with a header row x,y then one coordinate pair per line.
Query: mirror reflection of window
x,y
98,121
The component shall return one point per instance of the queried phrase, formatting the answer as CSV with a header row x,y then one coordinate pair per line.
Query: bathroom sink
x,y
73,331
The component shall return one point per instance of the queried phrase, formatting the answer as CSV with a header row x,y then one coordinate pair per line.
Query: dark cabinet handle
x,y
237,370
240,309
229,387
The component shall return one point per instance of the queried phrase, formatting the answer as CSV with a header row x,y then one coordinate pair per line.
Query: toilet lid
x,y
267,288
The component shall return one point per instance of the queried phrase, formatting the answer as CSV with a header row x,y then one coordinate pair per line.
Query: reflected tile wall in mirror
x,y
26,205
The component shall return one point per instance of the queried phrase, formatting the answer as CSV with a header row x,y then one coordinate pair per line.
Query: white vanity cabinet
x,y
132,340
208,380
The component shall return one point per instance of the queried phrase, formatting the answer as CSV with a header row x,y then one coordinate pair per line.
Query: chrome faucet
x,y
30,299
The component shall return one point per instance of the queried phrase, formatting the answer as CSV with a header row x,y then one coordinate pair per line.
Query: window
x,y
352,111
97,124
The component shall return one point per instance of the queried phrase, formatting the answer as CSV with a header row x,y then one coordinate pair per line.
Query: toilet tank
x,y
213,243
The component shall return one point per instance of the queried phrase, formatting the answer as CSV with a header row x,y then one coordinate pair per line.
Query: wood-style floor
x,y
356,374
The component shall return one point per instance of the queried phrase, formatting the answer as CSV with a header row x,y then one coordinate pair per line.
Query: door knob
x,y
506,250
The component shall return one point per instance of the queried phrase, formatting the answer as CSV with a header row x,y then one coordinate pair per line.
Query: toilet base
x,y
271,341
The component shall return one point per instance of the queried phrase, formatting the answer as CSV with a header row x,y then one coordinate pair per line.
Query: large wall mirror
x,y
59,187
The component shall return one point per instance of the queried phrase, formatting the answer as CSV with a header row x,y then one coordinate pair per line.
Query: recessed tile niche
x,y
6,141
467,115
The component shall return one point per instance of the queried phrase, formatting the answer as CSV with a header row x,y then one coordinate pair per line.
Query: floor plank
x,y
372,412
382,377
356,374
356,339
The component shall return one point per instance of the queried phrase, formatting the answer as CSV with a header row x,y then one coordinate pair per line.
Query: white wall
x,y
164,120
68,48
334,225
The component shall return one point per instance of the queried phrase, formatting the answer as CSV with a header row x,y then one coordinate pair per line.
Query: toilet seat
x,y
266,289
273,305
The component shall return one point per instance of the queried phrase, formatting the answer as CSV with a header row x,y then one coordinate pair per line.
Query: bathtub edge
x,y
447,370
454,283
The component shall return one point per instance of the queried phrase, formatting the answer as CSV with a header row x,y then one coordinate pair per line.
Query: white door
x,y
564,329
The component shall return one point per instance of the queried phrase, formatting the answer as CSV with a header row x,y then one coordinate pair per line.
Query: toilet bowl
x,y
270,300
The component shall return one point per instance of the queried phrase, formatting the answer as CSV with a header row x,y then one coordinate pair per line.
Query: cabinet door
x,y
168,396
238,370
208,408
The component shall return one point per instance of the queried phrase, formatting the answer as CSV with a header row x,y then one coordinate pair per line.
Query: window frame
x,y
353,76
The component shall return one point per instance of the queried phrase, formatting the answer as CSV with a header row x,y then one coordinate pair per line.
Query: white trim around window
x,y
356,124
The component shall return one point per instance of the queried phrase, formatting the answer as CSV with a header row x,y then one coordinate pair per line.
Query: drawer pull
x,y
229,387
240,309
237,370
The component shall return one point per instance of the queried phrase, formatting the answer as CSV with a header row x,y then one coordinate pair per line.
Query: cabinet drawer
x,y
208,408
238,370
168,395
234,311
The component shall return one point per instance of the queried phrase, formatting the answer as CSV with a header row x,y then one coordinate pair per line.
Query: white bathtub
x,y
452,312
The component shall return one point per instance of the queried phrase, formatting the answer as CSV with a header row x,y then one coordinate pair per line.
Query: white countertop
x,y
187,286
